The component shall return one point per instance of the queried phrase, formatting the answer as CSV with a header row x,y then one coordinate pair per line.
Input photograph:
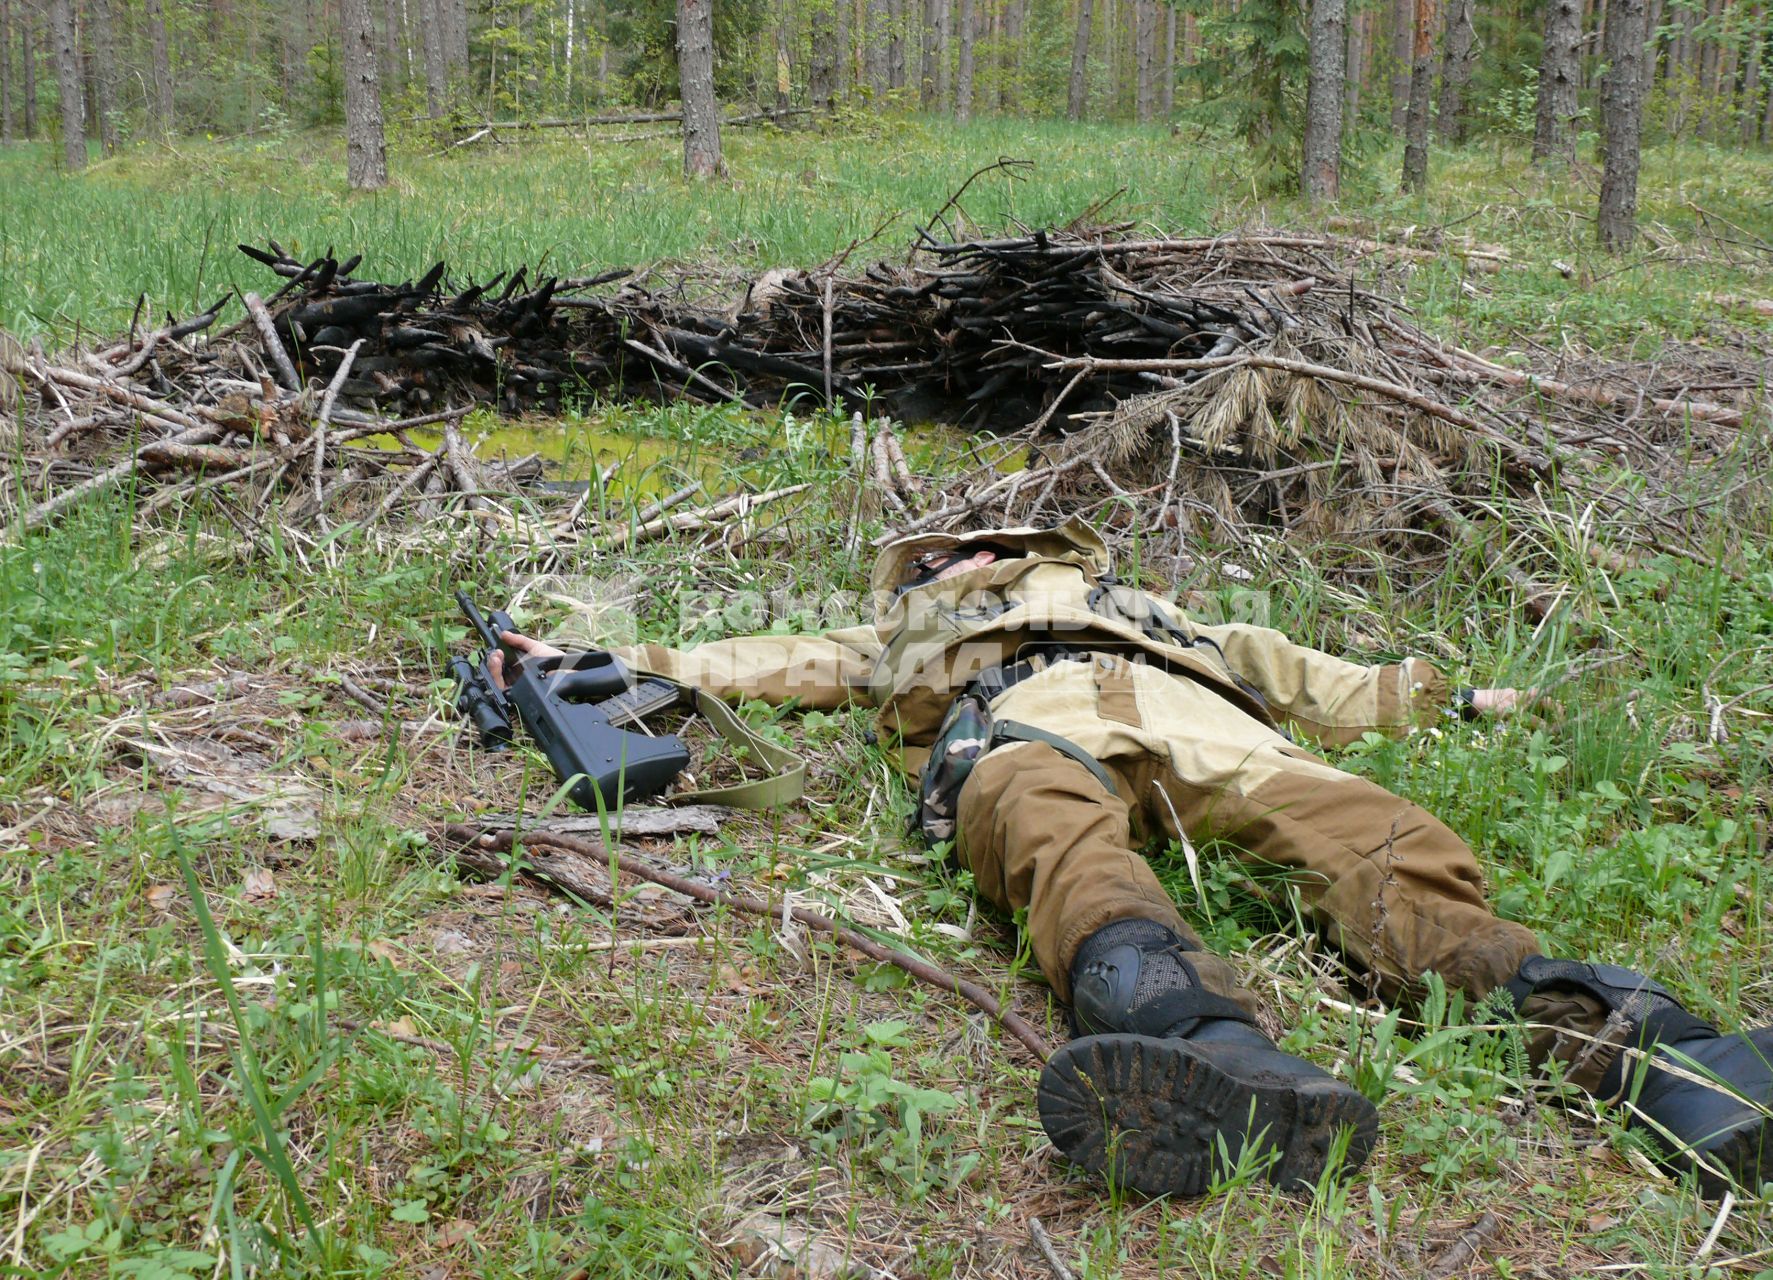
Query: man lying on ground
x,y
1056,719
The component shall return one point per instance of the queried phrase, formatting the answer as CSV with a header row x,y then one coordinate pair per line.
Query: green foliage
x,y
647,31
149,222
1513,106
1252,80
1505,78
866,1104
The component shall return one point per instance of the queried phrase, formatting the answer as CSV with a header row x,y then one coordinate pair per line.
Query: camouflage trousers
x,y
1381,879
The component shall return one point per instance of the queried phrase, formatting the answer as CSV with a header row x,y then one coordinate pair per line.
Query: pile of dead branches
x,y
1321,415
1259,381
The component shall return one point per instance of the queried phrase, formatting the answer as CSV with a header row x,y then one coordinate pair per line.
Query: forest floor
x,y
252,1021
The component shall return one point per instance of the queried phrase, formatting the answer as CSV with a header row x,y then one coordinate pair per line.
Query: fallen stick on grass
x,y
738,504
537,843
321,420
113,474
1467,1248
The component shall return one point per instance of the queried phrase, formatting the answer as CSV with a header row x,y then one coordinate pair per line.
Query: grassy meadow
x,y
253,1023
163,221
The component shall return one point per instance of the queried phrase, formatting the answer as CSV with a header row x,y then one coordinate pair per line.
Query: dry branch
x,y
155,411
110,476
1305,369
261,320
735,505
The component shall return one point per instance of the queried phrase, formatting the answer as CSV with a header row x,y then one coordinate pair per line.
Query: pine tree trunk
x,y
1767,112
1321,173
1461,41
602,28
1678,42
455,41
296,37
1144,59
366,153
434,33
1753,50
896,44
944,58
1622,113
784,61
1403,19
1727,82
1594,40
926,66
67,80
875,55
1421,91
963,72
1078,89
160,74
1653,49
1166,85
27,36
1353,68
1708,73
104,73
695,70
569,59
843,11
821,81
6,125
1009,86
1109,14
1554,134
391,42
1686,58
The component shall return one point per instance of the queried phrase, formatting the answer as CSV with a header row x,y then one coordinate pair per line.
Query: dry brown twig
x,y
273,345
1044,1243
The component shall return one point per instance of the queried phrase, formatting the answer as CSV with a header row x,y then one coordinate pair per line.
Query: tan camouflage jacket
x,y
927,643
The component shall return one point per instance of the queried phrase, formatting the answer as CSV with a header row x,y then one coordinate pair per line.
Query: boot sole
x,y
1152,1112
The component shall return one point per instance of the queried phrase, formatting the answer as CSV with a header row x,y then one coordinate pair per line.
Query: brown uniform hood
x,y
1073,542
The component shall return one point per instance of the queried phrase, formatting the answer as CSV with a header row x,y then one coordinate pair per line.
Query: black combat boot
x,y
1706,1099
1164,1072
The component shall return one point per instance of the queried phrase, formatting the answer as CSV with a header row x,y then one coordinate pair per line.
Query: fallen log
x,y
634,117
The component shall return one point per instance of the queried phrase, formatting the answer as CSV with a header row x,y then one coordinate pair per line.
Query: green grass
x,y
166,222
76,253
338,1035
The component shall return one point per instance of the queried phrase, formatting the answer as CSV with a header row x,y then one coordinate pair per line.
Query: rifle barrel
x,y
487,636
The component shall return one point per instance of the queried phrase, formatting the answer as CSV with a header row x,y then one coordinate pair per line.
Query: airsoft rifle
x,y
574,705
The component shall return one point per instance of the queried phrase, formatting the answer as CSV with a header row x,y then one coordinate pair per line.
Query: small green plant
x,y
866,1104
